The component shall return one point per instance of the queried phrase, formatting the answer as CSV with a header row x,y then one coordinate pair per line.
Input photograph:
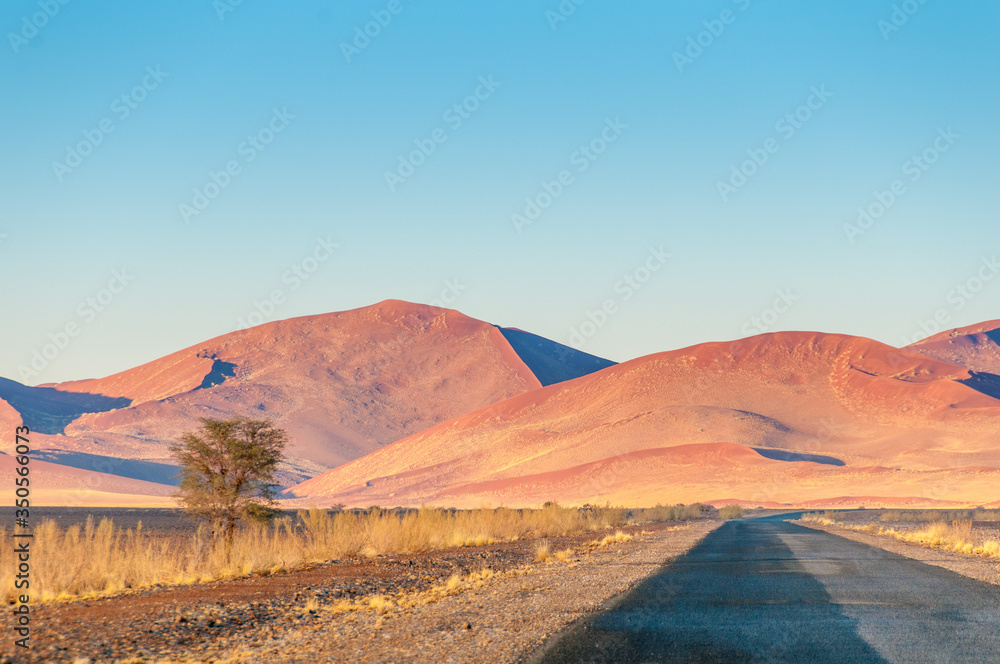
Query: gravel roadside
x,y
504,621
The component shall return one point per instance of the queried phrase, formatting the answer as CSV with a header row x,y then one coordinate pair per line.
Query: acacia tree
x,y
228,471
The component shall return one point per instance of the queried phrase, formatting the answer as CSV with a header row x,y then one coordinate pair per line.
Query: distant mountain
x,y
781,417
343,384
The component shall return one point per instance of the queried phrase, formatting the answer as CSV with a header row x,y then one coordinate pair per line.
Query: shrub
x,y
731,512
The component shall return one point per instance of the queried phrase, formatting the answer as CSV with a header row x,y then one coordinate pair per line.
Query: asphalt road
x,y
764,590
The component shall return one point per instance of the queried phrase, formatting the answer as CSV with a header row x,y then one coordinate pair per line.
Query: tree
x,y
228,471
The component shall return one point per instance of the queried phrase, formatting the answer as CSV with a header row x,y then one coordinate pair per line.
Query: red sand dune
x,y
677,427
343,384
975,347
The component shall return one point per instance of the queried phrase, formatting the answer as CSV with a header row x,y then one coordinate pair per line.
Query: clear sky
x,y
560,148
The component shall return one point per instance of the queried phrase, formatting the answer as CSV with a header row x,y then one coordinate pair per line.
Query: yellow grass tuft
x,y
381,605
564,555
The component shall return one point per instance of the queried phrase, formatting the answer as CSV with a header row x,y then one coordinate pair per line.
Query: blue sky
x,y
620,100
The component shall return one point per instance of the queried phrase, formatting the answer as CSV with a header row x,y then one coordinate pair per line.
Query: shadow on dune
x,y
48,410
150,471
987,383
738,596
783,455
551,362
220,371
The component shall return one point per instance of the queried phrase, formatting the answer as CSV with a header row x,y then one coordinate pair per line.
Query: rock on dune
x,y
842,411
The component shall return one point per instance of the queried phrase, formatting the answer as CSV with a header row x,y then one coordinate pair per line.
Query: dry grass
x,y
383,604
544,554
101,559
956,536
608,540
940,515
564,556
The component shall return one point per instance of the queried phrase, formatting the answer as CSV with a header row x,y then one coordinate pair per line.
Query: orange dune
x,y
835,415
976,347
343,385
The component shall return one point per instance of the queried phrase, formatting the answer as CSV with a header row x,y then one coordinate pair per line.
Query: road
x,y
764,590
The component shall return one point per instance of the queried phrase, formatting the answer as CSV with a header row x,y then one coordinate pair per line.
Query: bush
x,y
731,512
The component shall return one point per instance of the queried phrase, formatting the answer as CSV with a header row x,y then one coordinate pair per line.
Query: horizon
x,y
494,324
699,167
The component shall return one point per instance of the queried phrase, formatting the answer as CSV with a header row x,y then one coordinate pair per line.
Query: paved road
x,y
763,590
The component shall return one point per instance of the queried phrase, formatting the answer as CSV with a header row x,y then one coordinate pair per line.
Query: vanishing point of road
x,y
765,590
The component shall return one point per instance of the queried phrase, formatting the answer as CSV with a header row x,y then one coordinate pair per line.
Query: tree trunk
x,y
230,532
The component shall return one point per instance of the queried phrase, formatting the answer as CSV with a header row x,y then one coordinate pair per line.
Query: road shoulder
x,y
505,620
971,566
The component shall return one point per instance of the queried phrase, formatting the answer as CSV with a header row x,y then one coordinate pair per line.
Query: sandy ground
x,y
290,617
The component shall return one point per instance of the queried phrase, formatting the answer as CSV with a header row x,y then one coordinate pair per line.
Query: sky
x,y
626,177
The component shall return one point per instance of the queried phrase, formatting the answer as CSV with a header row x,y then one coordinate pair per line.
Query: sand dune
x,y
343,385
55,484
403,404
976,347
650,430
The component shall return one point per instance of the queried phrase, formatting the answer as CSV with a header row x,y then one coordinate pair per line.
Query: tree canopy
x,y
228,470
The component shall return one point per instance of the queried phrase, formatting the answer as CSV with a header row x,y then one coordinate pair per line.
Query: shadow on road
x,y
738,596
